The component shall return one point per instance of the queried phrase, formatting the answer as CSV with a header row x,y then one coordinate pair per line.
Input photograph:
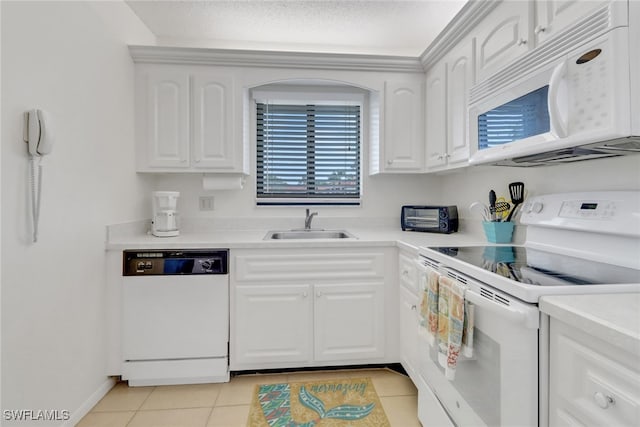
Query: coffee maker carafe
x,y
164,222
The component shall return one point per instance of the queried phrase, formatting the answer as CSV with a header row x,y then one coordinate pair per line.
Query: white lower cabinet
x,y
311,307
591,382
348,321
275,323
409,322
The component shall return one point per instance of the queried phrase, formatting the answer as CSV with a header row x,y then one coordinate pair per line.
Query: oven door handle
x,y
530,319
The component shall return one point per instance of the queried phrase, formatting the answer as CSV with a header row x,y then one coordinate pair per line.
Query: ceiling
x,y
399,28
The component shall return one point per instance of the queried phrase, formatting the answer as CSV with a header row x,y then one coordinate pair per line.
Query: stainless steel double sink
x,y
308,234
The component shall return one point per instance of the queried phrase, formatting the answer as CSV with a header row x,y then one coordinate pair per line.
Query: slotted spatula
x,y
516,190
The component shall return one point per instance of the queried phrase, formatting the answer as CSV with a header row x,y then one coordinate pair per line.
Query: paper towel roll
x,y
222,182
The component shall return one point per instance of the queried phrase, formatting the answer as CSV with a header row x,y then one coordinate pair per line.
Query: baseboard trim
x,y
88,404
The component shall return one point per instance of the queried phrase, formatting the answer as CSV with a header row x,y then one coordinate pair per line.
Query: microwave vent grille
x,y
613,148
594,24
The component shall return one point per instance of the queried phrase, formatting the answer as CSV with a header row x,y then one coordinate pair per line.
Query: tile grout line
x,y
141,404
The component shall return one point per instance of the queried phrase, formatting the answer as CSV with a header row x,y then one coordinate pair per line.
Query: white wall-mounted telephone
x,y
39,142
36,134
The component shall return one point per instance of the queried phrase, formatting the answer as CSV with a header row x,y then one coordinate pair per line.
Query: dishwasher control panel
x,y
147,262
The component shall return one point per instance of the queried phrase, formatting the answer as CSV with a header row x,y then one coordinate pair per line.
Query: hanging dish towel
x,y
444,291
429,302
459,325
467,334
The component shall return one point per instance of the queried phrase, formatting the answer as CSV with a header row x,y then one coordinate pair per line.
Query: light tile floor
x,y
227,405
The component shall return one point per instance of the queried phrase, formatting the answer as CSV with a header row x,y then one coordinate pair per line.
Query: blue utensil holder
x,y
498,232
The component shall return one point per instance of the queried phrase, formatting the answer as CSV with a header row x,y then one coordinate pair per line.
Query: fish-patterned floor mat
x,y
343,402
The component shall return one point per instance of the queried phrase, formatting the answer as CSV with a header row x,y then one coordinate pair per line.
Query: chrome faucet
x,y
308,219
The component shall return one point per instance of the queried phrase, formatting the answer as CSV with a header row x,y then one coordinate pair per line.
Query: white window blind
x,y
308,152
518,119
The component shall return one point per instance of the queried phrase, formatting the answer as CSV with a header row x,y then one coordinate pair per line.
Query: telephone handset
x,y
36,135
39,141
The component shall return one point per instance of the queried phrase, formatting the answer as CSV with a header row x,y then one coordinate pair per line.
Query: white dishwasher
x,y
175,316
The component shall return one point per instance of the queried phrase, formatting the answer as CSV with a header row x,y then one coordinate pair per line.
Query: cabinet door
x,y
167,119
272,324
213,108
459,81
502,36
403,135
436,116
349,321
409,324
591,382
554,16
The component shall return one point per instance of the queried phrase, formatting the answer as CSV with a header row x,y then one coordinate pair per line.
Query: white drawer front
x,y
408,271
592,382
308,266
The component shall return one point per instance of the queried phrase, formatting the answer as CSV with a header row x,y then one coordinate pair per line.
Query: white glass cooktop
x,y
540,268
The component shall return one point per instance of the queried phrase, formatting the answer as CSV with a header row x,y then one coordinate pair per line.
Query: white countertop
x,y
614,318
234,239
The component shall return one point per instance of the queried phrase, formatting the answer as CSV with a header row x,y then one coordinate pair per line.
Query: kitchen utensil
x,y
516,190
502,208
482,208
492,204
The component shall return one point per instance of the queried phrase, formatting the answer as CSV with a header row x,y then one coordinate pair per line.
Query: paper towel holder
x,y
213,182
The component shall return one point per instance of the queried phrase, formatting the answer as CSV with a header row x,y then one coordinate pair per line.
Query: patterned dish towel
x,y
448,318
429,303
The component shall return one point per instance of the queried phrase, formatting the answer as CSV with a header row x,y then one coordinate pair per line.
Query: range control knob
x,y
536,207
207,264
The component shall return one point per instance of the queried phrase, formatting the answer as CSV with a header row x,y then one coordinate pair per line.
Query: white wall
x,y
621,173
384,194
381,198
70,59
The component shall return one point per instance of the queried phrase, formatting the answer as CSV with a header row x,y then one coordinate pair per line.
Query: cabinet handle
x,y
405,273
603,400
440,157
540,29
318,294
413,307
389,162
305,294
521,42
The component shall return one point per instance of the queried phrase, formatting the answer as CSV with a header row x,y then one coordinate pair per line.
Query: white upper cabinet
x,y
460,79
502,36
554,16
213,107
163,120
436,116
402,147
448,84
185,120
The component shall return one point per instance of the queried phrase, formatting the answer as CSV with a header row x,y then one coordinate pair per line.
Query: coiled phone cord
x,y
36,193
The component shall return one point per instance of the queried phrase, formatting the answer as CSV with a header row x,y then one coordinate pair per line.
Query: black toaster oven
x,y
433,219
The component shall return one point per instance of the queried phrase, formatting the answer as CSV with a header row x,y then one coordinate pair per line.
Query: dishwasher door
x,y
175,317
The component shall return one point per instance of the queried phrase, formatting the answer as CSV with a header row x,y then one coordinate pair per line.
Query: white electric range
x,y
576,243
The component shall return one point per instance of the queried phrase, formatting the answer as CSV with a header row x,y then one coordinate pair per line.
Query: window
x,y
308,154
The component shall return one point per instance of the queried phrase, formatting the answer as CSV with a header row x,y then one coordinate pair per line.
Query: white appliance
x,y
573,98
175,325
164,222
577,243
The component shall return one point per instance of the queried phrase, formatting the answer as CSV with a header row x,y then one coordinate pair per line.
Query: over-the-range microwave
x,y
560,105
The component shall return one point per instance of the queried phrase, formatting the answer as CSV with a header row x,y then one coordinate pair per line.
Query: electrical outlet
x,y
206,203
